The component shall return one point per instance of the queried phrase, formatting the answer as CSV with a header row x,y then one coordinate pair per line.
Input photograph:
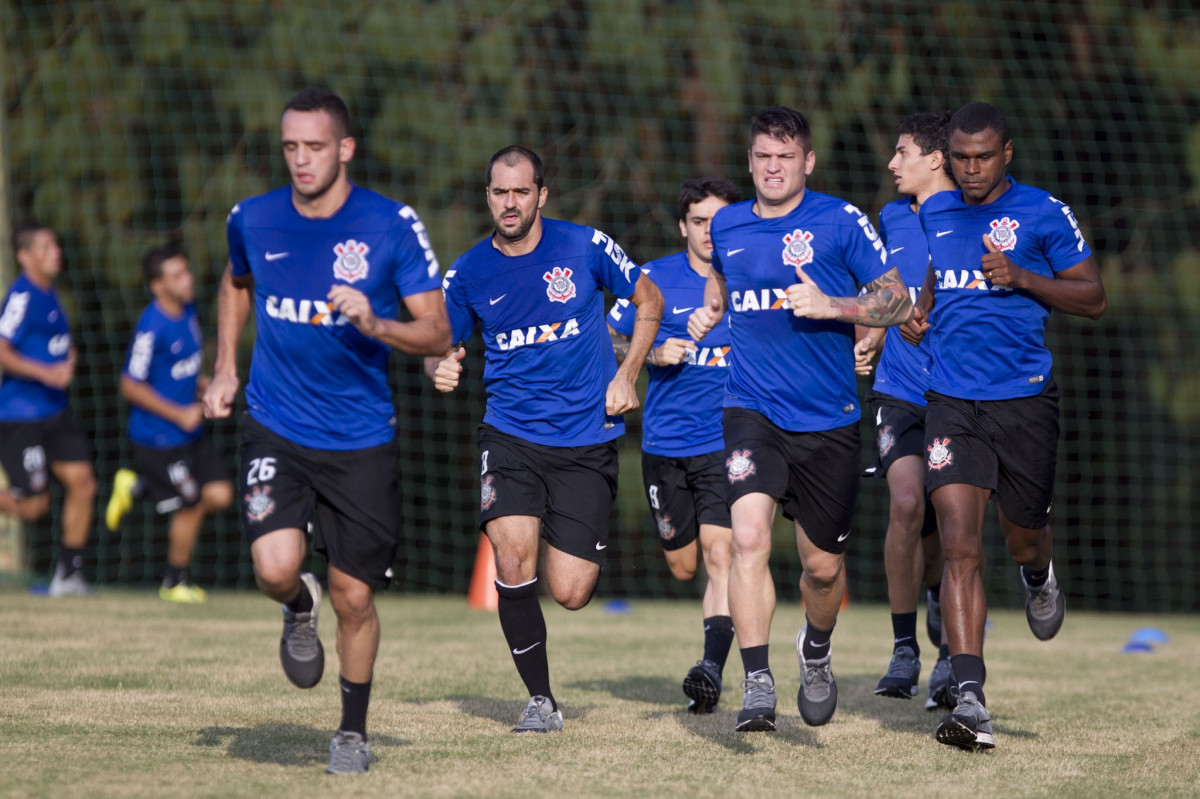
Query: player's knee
x,y
751,542
81,484
681,570
217,496
274,578
574,596
719,556
354,606
822,574
907,510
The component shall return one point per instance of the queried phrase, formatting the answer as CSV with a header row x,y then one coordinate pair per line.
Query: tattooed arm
x,y
883,303
620,343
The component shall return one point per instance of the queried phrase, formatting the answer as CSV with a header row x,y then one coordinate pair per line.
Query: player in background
x,y
1002,256
325,265
39,436
912,550
547,457
179,468
789,265
683,451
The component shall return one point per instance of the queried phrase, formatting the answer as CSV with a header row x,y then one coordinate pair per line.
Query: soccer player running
x,y
1002,255
912,551
683,452
179,467
325,265
39,436
547,457
790,262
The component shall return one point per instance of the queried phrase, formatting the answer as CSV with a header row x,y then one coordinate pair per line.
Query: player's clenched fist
x,y
448,370
671,352
704,319
808,300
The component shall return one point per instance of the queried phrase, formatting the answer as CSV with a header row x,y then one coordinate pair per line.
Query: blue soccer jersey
x,y
548,357
165,354
903,370
314,379
988,342
799,373
33,322
683,402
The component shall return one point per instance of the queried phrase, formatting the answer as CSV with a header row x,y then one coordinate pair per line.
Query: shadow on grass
x,y
654,690
281,744
505,711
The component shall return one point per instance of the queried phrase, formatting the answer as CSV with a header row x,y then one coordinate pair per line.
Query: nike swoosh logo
x,y
275,256
526,649
600,548
819,646
843,536
683,310
893,252
730,253
941,233
493,302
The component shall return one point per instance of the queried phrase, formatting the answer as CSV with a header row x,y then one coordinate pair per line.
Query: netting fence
x,y
129,124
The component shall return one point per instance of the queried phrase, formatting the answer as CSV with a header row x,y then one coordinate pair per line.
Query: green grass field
x,y
122,695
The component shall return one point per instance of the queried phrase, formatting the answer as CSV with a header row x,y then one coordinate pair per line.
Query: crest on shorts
x,y
561,288
259,504
351,264
939,453
666,530
739,465
887,440
797,251
487,493
1003,233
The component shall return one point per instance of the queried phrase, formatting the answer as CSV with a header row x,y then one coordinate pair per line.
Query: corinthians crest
x,y
739,465
1003,233
939,453
259,504
797,250
351,264
487,493
561,288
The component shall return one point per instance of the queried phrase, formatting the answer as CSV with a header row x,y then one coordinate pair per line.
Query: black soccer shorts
x,y
684,493
174,477
28,448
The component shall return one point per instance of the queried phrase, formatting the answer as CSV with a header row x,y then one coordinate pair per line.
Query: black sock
x,y
718,639
1035,579
355,698
904,631
755,659
174,575
816,640
935,591
970,673
70,560
943,651
525,631
303,603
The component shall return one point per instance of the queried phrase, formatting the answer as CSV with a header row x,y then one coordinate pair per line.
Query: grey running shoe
x,y
758,704
940,680
817,697
968,727
933,618
539,716
300,649
348,754
74,585
1045,607
703,686
903,677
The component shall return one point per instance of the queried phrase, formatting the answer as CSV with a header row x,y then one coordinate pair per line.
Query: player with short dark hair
x,y
326,265
39,436
683,452
912,549
791,263
547,457
1002,255
180,470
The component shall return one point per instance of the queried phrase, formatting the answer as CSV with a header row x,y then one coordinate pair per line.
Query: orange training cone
x,y
482,594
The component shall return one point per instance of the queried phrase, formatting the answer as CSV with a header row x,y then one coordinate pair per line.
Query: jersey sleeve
x,y
141,351
416,266
236,239
621,317
863,249
1062,241
12,316
612,267
462,317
